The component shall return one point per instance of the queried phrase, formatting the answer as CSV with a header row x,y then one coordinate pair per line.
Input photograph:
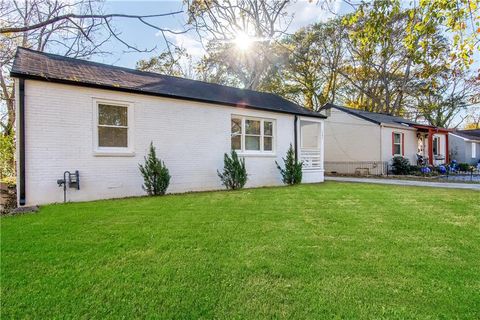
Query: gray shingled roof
x,y
32,64
374,117
473,134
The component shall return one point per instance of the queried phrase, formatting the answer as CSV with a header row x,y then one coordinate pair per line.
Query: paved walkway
x,y
450,185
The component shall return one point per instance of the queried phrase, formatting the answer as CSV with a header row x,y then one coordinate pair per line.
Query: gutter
x,y
21,137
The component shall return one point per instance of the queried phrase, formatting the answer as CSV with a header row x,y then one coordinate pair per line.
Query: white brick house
x,y
100,120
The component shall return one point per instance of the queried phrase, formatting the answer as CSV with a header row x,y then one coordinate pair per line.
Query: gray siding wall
x,y
461,150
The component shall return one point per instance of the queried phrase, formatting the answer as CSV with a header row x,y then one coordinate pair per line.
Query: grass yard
x,y
332,250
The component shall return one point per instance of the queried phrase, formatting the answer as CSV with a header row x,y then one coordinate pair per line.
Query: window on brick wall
x,y
252,135
113,127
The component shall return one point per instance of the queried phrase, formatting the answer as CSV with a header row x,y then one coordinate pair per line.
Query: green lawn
x,y
332,250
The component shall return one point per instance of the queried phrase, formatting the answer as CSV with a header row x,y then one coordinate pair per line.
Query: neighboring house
x,y
361,142
99,119
465,146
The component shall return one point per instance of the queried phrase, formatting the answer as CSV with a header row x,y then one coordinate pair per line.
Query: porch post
x,y
430,146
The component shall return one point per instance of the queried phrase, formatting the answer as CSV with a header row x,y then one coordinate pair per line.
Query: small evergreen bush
x,y
292,174
400,165
463,167
155,174
234,175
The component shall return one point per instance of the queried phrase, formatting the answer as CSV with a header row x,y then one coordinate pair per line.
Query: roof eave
x,y
330,105
467,139
21,75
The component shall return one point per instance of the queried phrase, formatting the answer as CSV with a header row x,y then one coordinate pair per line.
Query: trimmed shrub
x,y
234,175
400,165
292,174
463,167
155,174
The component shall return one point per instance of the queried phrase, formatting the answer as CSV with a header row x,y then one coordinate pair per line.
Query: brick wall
x,y
190,137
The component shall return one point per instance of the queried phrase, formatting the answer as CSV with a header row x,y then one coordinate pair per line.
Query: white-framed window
x,y
113,127
474,150
436,146
397,144
252,135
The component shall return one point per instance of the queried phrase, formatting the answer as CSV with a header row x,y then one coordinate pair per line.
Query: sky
x,y
143,37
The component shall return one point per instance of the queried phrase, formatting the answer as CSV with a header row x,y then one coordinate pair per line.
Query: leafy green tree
x,y
234,175
307,69
292,174
240,37
443,99
473,119
7,160
176,63
155,174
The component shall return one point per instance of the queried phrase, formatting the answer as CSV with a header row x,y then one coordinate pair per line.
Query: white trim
x,y
261,152
474,150
129,151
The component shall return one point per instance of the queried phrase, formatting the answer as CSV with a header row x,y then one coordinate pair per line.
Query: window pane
x,y
397,149
252,127
252,143
112,115
267,143
396,138
267,128
236,142
112,137
236,125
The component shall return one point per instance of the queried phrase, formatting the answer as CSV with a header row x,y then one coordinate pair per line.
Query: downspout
x,y
21,137
295,138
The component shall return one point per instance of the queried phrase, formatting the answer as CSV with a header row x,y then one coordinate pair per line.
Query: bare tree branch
x,y
82,17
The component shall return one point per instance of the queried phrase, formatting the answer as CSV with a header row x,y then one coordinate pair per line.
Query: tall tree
x,y
443,99
177,63
240,36
391,50
310,59
473,119
71,28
